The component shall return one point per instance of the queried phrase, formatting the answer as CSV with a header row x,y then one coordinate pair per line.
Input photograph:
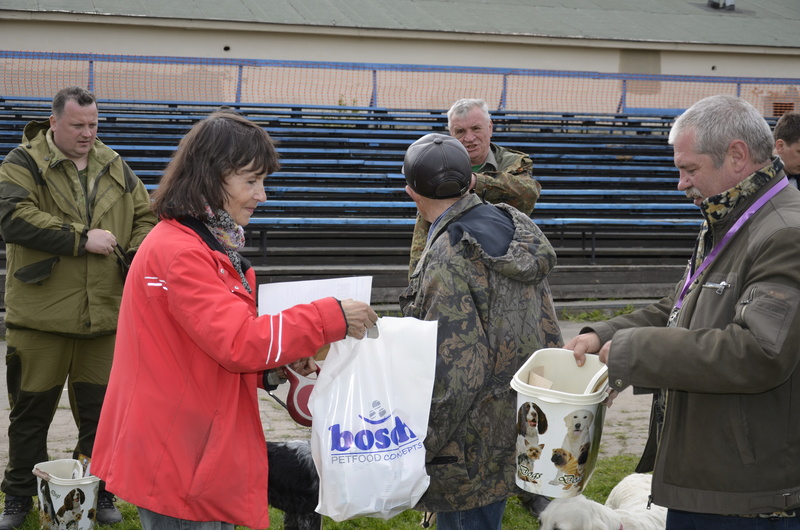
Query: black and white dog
x,y
294,484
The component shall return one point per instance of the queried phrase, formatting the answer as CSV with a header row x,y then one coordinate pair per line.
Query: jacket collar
x,y
490,164
197,226
38,136
718,208
467,202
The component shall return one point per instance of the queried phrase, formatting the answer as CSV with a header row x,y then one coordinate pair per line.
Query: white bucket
x,y
67,498
558,428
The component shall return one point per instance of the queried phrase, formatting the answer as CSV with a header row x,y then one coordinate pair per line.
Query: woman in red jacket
x,y
180,434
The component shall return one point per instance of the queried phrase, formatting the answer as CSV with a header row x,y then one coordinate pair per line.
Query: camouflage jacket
x,y
511,182
483,277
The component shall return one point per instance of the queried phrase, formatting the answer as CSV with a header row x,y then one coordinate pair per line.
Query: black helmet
x,y
437,167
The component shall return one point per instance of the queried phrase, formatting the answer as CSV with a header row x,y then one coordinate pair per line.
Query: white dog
x,y
578,423
625,508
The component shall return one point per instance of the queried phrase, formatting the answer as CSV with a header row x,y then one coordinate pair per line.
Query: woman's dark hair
x,y
214,148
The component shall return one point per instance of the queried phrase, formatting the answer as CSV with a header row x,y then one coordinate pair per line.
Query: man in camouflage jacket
x,y
501,175
482,275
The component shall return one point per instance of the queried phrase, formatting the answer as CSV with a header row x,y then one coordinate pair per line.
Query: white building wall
x,y
118,35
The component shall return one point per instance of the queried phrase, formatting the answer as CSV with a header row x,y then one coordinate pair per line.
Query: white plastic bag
x,y
370,407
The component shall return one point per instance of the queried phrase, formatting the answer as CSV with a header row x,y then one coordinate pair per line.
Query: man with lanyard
x,y
722,350
500,175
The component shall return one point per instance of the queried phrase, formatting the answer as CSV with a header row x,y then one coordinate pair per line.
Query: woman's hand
x,y
304,367
360,317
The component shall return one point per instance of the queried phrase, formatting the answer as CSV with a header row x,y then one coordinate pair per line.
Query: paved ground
x,y
624,432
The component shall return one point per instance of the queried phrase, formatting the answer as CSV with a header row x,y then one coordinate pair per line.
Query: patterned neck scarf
x,y
715,209
230,235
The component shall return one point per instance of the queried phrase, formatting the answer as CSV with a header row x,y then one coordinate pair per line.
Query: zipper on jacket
x,y
90,197
745,303
661,434
720,287
86,202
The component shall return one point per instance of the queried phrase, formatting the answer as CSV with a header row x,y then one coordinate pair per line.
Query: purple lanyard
x,y
728,235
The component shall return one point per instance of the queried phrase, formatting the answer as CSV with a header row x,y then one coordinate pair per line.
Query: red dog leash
x,y
300,388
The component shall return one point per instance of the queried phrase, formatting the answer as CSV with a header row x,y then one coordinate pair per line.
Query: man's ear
x,y
738,154
779,146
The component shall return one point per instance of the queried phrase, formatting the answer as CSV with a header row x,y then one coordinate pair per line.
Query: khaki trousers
x,y
38,365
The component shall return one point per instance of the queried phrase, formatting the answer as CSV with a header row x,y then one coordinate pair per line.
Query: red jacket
x,y
180,432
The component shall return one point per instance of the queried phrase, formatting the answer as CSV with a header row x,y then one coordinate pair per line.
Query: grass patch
x,y
595,315
607,474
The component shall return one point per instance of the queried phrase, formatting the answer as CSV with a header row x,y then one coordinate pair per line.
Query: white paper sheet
x,y
275,297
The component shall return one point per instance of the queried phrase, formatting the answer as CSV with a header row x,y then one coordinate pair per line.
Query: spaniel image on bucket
x,y
67,498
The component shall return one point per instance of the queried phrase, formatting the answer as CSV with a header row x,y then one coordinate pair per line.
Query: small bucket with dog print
x,y
559,421
67,497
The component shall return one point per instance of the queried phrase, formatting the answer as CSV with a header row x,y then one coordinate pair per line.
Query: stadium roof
x,y
767,23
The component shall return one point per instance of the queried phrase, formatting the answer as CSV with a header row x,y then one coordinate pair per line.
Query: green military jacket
x,y
52,283
493,311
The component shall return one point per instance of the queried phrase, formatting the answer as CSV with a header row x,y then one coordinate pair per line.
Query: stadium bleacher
x,y
337,206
